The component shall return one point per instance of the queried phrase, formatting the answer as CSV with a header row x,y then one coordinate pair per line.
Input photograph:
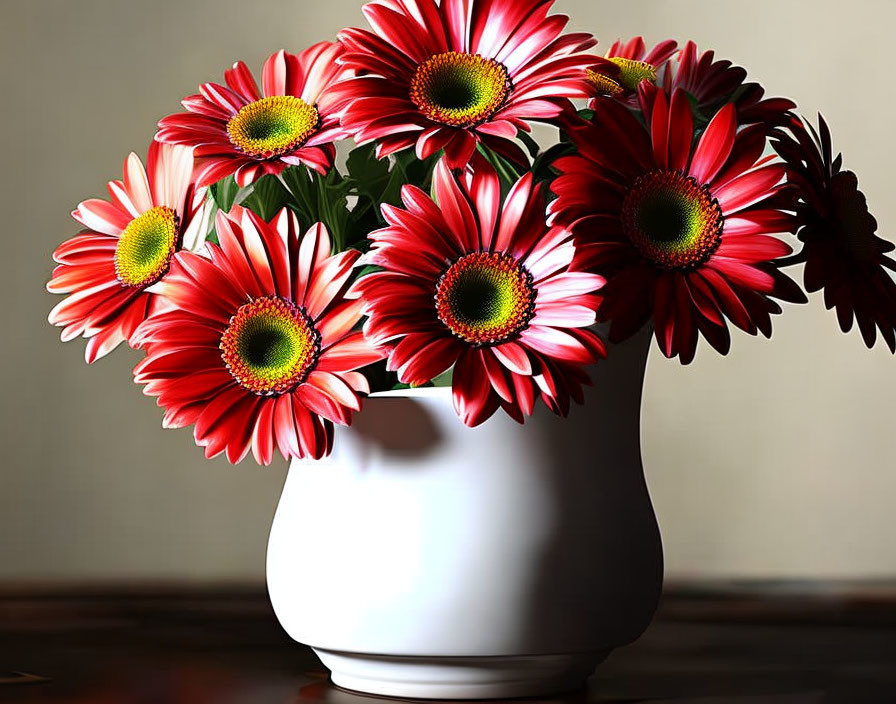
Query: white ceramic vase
x,y
426,559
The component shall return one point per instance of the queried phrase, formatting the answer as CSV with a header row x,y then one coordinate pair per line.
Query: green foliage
x,y
224,193
543,166
371,182
268,197
316,198
529,143
508,172
378,182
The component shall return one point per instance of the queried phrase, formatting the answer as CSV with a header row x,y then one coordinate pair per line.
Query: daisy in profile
x,y
241,130
485,288
684,235
843,254
626,64
127,246
713,83
446,76
258,346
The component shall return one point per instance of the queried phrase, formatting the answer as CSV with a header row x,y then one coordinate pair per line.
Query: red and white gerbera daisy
x,y
237,129
627,64
259,347
682,235
712,84
843,254
486,289
127,246
446,76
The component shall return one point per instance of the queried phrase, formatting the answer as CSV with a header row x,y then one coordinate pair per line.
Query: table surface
x,y
729,644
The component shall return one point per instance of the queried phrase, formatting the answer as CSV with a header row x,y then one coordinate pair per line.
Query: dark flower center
x,y
458,89
485,298
673,220
270,346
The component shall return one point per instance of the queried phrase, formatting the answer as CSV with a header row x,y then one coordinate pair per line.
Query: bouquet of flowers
x,y
271,289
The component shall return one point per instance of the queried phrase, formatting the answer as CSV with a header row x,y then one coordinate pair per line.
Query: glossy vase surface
x,y
427,559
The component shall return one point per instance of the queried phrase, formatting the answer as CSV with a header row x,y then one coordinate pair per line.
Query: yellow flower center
x,y
673,220
145,247
272,126
270,346
485,298
630,75
461,90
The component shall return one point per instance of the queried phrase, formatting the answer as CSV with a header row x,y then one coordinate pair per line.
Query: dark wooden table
x,y
725,643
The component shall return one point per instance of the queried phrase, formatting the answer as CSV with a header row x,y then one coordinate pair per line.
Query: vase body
x,y
427,559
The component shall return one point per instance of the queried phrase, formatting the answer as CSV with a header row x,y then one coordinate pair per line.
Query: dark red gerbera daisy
x,y
714,83
258,346
449,75
485,288
239,129
682,233
843,254
127,246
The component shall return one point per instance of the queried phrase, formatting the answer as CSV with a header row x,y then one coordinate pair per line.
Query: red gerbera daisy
x,y
260,348
626,65
681,235
449,75
843,254
127,247
485,288
238,129
713,84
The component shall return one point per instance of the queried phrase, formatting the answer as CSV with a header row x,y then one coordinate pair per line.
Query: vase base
x,y
494,677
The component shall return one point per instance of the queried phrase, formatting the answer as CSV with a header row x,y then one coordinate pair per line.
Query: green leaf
x,y
542,169
316,198
508,173
268,197
369,173
417,173
369,269
445,378
529,142
224,193
212,236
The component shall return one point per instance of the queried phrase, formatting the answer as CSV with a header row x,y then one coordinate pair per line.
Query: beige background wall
x,y
777,461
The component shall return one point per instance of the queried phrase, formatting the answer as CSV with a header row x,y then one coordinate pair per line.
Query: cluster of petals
x,y
843,254
186,370
667,213
620,72
99,305
543,67
712,83
544,357
307,77
733,278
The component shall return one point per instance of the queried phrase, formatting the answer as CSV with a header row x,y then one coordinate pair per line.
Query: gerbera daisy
x,y
446,76
127,246
627,64
259,347
713,83
682,235
237,129
486,289
843,254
